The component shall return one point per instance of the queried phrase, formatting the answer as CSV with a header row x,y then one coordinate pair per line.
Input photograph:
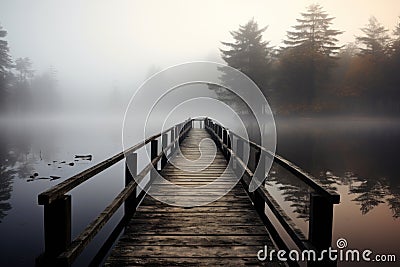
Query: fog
x,y
104,49
80,79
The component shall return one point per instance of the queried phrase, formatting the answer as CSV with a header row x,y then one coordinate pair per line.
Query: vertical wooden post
x,y
229,145
172,132
178,129
176,132
154,152
259,202
225,136
57,226
239,152
321,220
217,128
130,173
179,133
229,140
164,140
224,141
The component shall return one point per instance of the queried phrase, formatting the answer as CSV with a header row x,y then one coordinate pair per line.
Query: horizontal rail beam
x,y
308,179
79,243
62,188
284,220
297,171
95,226
322,200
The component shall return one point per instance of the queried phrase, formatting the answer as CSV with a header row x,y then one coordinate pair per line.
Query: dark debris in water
x,y
59,164
34,175
38,178
84,157
77,158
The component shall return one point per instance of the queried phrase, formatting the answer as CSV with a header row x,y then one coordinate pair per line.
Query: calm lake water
x,y
355,156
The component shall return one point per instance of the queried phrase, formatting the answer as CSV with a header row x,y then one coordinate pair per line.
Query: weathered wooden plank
x,y
201,240
194,194
189,261
188,215
223,251
227,199
223,209
189,218
195,229
219,203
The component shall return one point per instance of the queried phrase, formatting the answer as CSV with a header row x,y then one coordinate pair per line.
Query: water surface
x,y
355,156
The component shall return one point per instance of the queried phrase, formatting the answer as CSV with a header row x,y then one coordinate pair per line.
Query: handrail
x,y
59,250
293,168
94,227
321,201
55,192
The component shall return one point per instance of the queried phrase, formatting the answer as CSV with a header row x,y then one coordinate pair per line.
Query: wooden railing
x,y
59,249
321,200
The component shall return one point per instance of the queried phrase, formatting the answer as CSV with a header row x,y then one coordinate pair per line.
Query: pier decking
x,y
229,230
225,232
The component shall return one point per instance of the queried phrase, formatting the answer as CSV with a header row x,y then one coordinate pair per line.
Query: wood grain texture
x,y
226,232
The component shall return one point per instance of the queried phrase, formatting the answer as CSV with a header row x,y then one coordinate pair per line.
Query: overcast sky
x,y
102,41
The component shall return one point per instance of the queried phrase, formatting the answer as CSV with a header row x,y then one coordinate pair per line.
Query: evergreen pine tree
x,y
249,53
375,40
313,32
306,61
5,68
5,58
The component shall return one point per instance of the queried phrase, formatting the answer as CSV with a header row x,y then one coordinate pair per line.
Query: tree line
x,y
21,90
312,74
309,73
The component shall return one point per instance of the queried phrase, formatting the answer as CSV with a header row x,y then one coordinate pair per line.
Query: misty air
x,y
199,133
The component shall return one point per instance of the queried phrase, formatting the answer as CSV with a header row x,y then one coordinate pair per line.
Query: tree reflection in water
x,y
369,192
14,163
372,192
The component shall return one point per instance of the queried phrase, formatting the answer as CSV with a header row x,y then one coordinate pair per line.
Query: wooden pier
x,y
226,232
229,231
